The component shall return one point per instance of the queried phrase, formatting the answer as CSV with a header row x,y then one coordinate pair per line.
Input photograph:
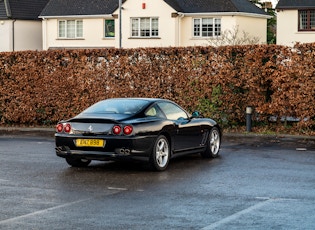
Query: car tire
x,y
77,162
213,144
161,154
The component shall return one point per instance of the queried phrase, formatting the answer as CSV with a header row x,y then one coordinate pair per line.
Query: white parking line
x,y
115,188
7,221
238,214
11,220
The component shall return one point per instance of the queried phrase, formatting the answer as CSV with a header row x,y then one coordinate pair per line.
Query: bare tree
x,y
233,37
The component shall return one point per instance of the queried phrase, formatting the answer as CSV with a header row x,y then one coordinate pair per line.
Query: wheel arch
x,y
169,139
219,128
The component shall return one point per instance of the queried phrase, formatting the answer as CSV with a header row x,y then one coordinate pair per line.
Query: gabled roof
x,y
212,6
295,4
105,7
79,7
21,9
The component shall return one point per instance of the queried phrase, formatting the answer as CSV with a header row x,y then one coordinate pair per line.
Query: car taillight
x,y
67,128
128,129
59,128
116,129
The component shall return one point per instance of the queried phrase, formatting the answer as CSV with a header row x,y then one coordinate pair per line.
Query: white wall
x,y
255,27
93,28
5,35
173,31
157,8
287,29
93,35
27,35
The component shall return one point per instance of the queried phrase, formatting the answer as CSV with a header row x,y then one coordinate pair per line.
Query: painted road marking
x,y
11,220
243,212
118,189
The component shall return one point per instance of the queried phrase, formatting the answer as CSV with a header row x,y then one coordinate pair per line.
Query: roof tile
x,y
22,9
294,4
95,7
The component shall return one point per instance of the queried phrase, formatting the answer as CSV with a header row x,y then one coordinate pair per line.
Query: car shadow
x,y
135,176
182,162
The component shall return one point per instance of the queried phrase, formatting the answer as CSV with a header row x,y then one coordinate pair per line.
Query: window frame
x,y
105,26
139,29
78,25
212,30
309,26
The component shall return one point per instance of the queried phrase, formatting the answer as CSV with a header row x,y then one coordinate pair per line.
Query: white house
x,y
20,27
295,22
147,23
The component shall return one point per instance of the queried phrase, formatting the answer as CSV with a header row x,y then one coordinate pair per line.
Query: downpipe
x,y
13,35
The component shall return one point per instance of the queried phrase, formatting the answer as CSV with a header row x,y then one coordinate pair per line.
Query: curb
x,y
270,136
18,131
29,131
252,140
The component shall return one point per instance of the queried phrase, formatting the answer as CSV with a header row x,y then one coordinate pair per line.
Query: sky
x,y
274,2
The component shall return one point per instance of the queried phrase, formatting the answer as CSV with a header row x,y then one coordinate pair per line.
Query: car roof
x,y
140,98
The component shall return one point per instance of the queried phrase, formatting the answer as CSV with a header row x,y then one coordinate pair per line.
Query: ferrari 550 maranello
x,y
146,129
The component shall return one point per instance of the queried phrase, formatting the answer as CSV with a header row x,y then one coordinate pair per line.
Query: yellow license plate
x,y
89,143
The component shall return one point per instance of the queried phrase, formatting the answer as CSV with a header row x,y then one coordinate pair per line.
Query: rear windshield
x,y
119,106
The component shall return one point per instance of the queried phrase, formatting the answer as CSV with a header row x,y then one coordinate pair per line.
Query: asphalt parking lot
x,y
258,182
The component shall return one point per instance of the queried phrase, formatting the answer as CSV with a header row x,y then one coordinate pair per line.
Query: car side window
x,y
172,111
151,112
154,111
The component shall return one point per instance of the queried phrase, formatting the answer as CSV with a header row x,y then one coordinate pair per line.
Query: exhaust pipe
x,y
124,151
127,151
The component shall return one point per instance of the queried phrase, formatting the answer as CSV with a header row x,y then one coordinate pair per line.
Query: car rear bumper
x,y
120,154
137,148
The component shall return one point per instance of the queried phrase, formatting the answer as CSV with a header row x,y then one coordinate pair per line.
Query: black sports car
x,y
148,129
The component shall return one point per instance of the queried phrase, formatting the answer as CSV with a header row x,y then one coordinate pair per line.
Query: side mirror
x,y
195,114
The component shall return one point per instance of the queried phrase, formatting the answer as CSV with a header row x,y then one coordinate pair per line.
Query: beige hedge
x,y
42,87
